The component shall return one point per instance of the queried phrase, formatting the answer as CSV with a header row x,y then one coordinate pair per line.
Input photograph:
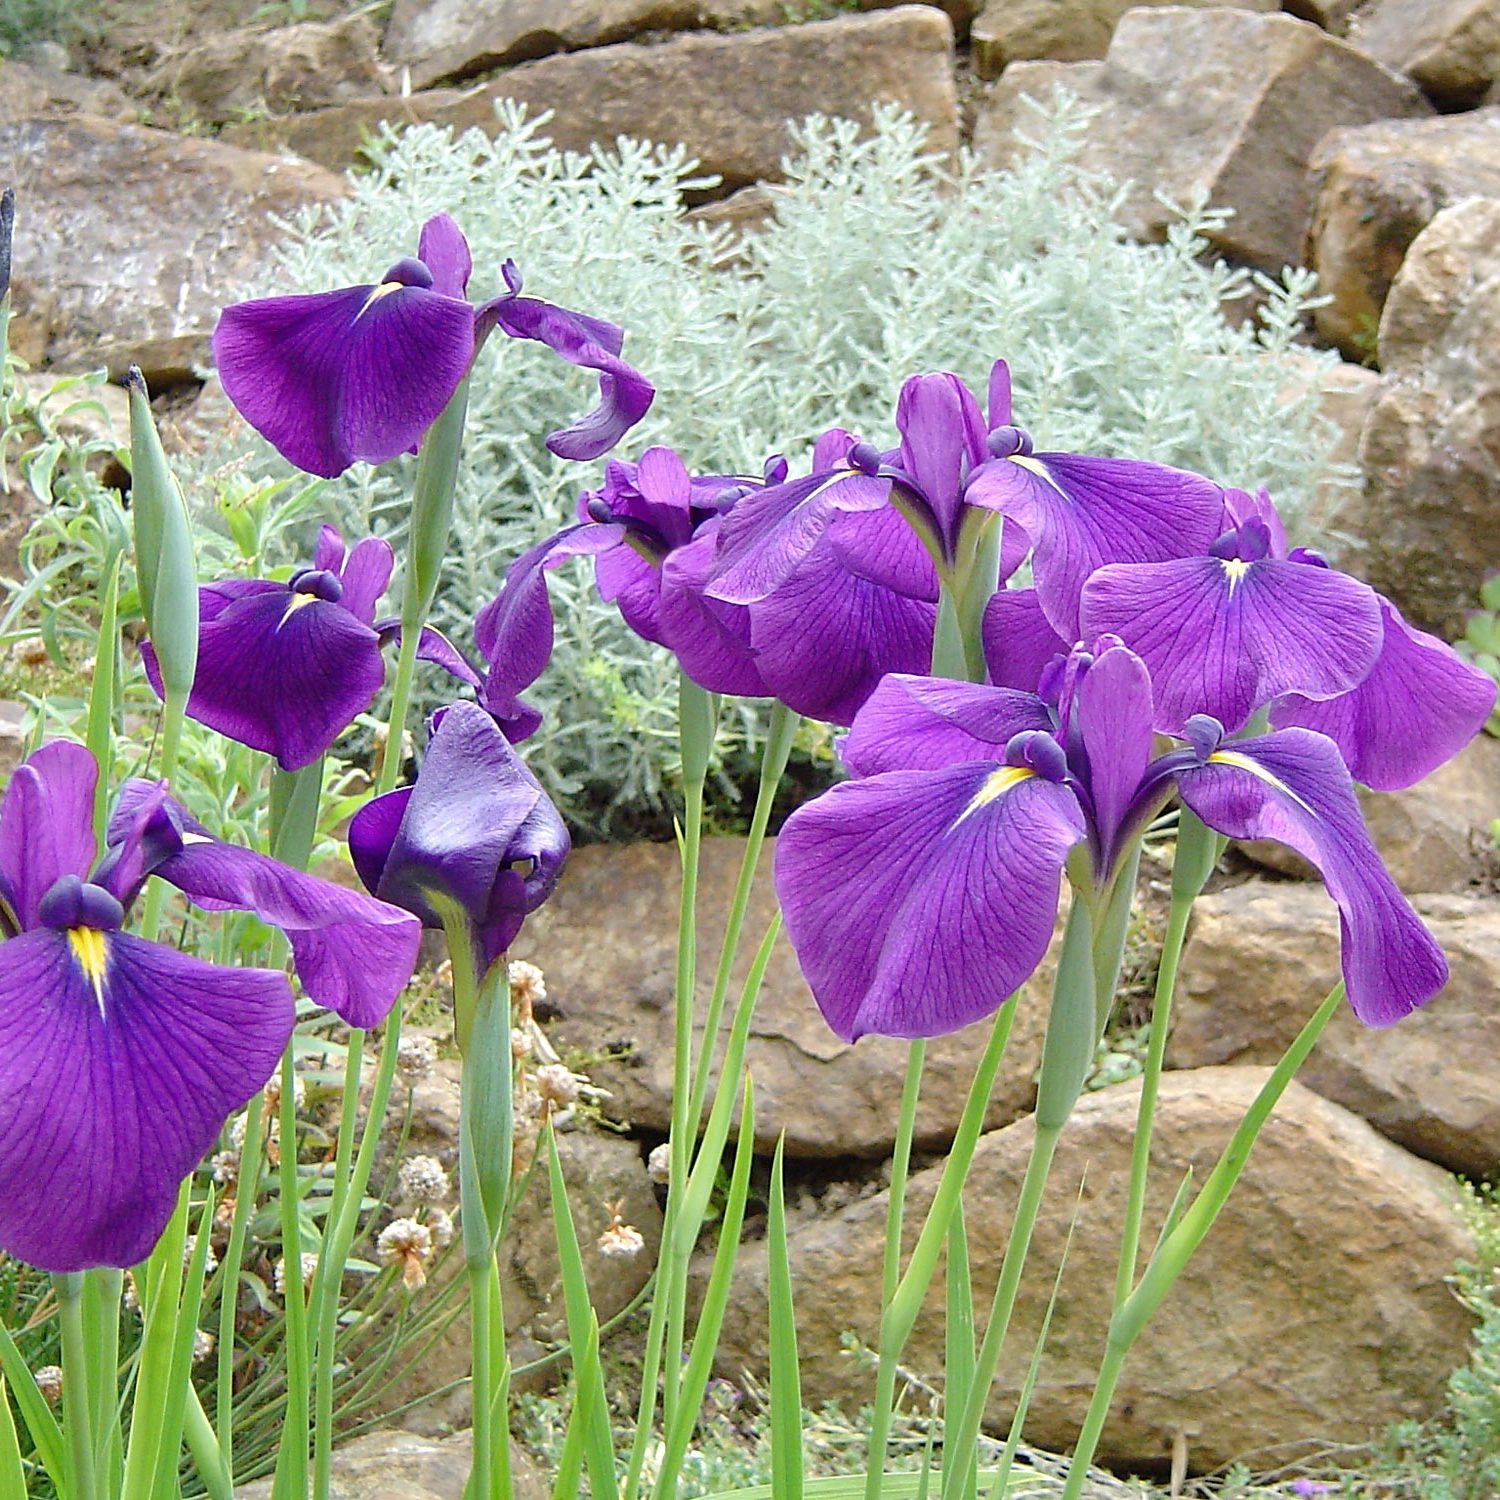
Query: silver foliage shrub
x,y
879,262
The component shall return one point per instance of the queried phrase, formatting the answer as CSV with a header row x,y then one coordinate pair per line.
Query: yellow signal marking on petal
x,y
89,949
996,784
383,290
1032,466
1235,569
1254,767
299,601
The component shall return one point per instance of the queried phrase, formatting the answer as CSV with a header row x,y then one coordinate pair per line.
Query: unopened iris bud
x,y
320,583
774,470
408,271
599,510
1204,733
1008,442
865,457
72,902
1035,750
7,226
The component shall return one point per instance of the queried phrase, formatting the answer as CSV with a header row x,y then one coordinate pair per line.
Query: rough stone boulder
x,y
727,98
1223,101
606,942
1261,956
129,240
1331,15
1451,47
27,90
1430,835
1316,1307
1431,508
1374,190
1008,31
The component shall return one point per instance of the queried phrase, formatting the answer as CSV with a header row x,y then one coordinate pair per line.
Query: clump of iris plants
x,y
1032,652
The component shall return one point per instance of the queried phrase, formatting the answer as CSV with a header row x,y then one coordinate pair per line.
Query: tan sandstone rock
x,y
727,98
1331,15
1008,31
1374,190
1451,47
1316,1307
1222,101
27,90
606,941
129,240
1261,956
1432,487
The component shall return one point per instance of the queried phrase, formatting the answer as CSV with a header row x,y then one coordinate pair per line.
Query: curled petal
x,y
442,248
1418,707
1293,787
711,640
927,723
1224,637
1082,513
625,395
917,901
109,1098
334,377
46,827
1018,639
281,672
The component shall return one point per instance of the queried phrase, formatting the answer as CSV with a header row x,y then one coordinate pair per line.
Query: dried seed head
x,y
421,1180
659,1164
440,1224
527,986
272,1094
556,1084
49,1383
620,1240
416,1057
444,973
407,1244
31,651
224,1212
521,1045
211,1261
203,1345
226,1166
131,1298
309,1270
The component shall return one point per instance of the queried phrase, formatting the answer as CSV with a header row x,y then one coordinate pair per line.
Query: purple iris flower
x,y
924,891
286,667
120,1058
819,641
475,834
1252,624
363,372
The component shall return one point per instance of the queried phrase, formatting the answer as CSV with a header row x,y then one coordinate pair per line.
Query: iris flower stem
x,y
246,1186
890,1269
778,749
102,1290
1180,1243
78,1373
172,714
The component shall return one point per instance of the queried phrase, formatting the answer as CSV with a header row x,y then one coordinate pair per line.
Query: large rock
x,y
283,68
1374,190
1331,15
1432,487
129,240
607,943
1451,47
1261,956
1008,31
1316,1308
1429,834
385,1465
1223,101
727,98
27,90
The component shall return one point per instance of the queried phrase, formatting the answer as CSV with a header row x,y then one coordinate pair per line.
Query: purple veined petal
x,y
1419,706
633,585
365,574
710,639
1019,639
517,719
831,449
442,248
918,900
770,531
1225,637
881,546
1082,513
339,376
353,954
432,646
102,1115
1240,506
912,723
46,826
998,404
328,554
513,632
474,815
625,395
825,638
282,672
1293,787
942,439
1113,710
1015,548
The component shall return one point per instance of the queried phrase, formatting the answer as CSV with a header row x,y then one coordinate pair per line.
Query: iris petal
x,y
102,1115
46,825
711,639
1018,639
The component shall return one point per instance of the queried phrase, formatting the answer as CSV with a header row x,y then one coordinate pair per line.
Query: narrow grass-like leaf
x,y
787,1457
174,1412
46,1435
715,1299
582,1323
587,1398
958,1374
1174,1213
12,1470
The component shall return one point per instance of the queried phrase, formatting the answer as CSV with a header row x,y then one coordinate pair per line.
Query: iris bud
x,y
1007,442
1204,733
865,457
72,902
318,582
1037,751
408,271
598,509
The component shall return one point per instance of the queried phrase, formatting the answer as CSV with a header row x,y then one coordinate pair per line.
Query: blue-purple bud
x,y
1204,733
865,457
408,271
1037,751
599,510
1248,543
728,498
72,902
318,582
7,225
1007,442
1308,555
775,470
